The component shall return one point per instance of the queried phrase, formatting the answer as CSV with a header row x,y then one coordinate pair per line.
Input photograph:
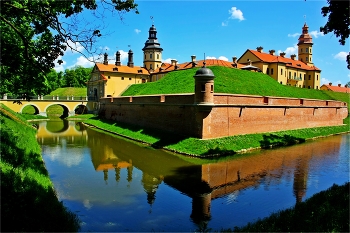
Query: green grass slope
x,y
231,81
69,91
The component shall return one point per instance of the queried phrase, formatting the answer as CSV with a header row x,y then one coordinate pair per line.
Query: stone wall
x,y
228,115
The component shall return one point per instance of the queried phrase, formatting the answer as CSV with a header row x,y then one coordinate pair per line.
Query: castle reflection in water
x,y
202,183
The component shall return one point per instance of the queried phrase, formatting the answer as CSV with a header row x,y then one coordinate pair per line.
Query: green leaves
x,y
34,35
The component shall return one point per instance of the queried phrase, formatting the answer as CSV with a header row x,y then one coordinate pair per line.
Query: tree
x,y
35,33
338,19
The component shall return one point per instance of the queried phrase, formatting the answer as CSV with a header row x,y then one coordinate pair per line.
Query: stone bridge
x,y
69,104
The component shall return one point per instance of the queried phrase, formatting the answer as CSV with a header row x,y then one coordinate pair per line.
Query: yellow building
x,y
299,72
108,80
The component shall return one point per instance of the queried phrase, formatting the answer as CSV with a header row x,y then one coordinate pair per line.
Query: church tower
x,y
152,52
305,47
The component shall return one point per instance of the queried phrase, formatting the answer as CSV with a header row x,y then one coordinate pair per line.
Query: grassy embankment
x,y
28,200
326,211
227,81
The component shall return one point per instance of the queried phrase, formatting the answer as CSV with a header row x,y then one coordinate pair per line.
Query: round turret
x,y
204,86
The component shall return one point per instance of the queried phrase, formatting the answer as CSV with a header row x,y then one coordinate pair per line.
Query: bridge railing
x,y
47,97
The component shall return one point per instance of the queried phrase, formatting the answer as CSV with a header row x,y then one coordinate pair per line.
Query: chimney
x,y
339,85
259,49
293,56
117,61
173,62
282,54
175,65
330,84
234,59
272,52
130,59
105,60
193,58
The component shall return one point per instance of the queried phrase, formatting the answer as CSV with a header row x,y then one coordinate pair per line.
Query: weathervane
x,y
305,18
204,61
152,19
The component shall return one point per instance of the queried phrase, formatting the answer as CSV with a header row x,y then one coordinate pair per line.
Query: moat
x,y
116,185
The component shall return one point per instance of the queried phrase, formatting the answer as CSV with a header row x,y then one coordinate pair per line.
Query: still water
x,y
116,185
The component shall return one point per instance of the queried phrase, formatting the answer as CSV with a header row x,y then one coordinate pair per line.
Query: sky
x,y
217,30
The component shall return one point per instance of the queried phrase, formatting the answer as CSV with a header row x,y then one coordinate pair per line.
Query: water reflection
x,y
301,165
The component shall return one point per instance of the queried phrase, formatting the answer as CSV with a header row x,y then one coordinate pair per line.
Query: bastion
x,y
206,115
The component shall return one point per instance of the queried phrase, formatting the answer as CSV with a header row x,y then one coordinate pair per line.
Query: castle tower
x,y
305,47
152,52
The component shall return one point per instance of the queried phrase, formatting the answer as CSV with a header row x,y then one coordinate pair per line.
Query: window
x,y
300,76
281,71
122,78
267,71
281,82
290,75
303,86
203,87
150,56
271,71
150,66
307,59
295,74
129,78
307,50
211,88
310,50
309,77
157,56
310,59
301,50
109,77
316,87
308,87
304,76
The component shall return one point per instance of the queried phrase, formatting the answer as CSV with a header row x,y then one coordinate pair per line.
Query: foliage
x,y
76,77
227,80
28,200
35,33
326,211
338,19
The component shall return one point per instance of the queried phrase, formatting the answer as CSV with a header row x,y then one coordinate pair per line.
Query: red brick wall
x,y
230,114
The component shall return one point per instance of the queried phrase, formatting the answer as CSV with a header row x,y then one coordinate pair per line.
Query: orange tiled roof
x,y
266,57
123,69
337,88
166,67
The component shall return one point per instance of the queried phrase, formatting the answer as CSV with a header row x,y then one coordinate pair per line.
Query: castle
x,y
110,80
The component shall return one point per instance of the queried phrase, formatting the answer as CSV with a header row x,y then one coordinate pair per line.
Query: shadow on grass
x,y
25,204
273,140
29,207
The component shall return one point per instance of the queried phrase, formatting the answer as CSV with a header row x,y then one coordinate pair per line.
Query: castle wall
x,y
229,115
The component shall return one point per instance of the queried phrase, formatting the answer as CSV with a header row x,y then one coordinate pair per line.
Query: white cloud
x,y
224,24
123,55
76,46
290,50
236,14
137,31
59,67
84,62
293,35
325,81
208,57
341,56
223,58
168,60
106,48
316,34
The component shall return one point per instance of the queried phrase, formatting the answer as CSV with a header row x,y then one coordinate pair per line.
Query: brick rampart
x,y
229,114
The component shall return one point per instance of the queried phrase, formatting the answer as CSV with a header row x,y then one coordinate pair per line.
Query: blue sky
x,y
218,29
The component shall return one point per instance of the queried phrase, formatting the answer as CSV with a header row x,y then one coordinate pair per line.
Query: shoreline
x,y
213,151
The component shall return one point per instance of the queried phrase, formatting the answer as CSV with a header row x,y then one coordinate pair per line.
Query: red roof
x,y
266,57
166,67
337,88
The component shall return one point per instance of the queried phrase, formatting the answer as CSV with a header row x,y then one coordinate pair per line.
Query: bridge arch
x,y
66,110
36,107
